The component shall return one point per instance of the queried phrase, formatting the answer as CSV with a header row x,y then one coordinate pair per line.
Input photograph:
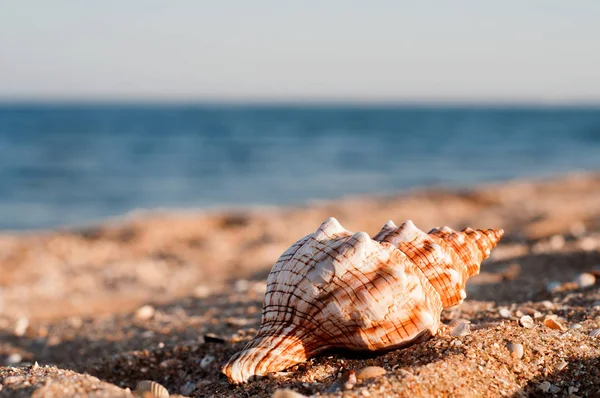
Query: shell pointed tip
x,y
390,224
331,226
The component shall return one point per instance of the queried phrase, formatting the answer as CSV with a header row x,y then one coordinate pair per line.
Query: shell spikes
x,y
338,289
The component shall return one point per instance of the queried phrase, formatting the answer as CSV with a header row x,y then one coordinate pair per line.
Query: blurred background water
x,y
72,164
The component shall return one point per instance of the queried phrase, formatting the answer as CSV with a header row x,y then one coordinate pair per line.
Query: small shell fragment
x,y
515,349
152,387
595,333
144,313
370,372
505,312
526,321
553,324
562,365
544,386
575,326
585,280
460,327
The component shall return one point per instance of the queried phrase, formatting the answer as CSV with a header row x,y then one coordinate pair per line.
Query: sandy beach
x,y
169,296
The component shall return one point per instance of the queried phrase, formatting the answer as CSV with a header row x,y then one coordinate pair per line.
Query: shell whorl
x,y
447,257
338,289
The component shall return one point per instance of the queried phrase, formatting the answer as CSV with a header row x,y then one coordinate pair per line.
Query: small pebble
x,y
11,380
549,305
241,285
155,389
14,359
505,312
515,349
595,333
287,393
557,242
526,321
206,361
370,372
21,326
554,389
144,313
202,291
585,280
587,243
188,388
575,326
170,363
553,324
577,229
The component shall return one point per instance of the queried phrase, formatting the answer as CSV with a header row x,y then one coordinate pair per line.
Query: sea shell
x,y
152,388
338,289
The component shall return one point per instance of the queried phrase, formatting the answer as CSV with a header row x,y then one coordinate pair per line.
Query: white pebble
x,y
144,313
188,388
505,312
585,280
557,242
21,326
587,243
202,291
577,229
207,360
14,359
547,304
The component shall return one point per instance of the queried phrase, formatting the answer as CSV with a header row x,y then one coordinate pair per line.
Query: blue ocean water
x,y
72,164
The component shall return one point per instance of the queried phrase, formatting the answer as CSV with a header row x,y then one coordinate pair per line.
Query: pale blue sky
x,y
512,50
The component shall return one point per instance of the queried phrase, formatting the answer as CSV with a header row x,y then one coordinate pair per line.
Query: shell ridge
x,y
309,316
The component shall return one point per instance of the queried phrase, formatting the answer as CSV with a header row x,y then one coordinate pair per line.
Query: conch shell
x,y
338,289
